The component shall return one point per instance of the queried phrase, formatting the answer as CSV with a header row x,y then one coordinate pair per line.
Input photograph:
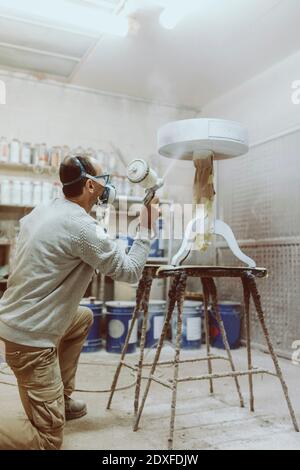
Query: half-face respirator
x,y
109,195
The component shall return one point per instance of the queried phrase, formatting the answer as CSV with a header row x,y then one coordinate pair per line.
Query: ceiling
x,y
210,52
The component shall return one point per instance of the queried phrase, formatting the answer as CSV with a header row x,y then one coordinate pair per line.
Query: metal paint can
x,y
231,316
93,342
118,321
156,316
191,337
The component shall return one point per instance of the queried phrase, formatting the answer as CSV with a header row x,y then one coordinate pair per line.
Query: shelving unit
x,y
26,167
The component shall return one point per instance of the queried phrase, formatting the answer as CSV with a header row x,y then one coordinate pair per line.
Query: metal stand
x,y
176,295
142,301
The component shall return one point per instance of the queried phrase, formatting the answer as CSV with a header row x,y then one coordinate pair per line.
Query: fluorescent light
x,y
2,92
85,19
175,12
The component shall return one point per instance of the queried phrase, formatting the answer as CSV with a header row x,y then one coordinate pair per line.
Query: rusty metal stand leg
x,y
213,291
172,302
145,307
246,291
207,334
261,317
139,299
180,299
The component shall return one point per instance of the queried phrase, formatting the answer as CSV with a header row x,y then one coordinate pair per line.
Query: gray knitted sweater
x,y
58,249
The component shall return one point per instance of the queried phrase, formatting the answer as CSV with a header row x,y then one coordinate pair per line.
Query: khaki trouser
x,y
44,376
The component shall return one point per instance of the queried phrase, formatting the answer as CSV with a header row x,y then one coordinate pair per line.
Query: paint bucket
x,y
191,337
118,320
231,316
93,342
156,316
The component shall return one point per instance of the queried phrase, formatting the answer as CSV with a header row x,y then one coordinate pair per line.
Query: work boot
x,y
74,408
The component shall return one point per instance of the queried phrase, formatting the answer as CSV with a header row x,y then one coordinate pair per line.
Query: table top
x,y
211,271
182,139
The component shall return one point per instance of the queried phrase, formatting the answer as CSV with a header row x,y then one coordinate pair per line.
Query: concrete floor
x,y
202,422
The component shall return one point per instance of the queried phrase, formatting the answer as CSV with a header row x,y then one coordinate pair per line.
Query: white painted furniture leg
x,y
195,226
187,244
225,231
220,228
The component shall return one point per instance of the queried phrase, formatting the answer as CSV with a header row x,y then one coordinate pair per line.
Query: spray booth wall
x,y
259,194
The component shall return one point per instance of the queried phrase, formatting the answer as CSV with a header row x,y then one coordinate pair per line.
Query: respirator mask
x,y
109,195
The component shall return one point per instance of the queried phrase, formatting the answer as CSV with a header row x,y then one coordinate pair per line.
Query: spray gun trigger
x,y
150,193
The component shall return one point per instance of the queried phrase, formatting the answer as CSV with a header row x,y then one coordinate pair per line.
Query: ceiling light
x,y
61,12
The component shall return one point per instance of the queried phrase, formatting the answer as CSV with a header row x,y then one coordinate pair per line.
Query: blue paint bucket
x,y
118,320
93,342
231,316
191,337
156,316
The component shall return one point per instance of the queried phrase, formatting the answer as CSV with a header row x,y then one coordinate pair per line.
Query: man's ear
x,y
90,186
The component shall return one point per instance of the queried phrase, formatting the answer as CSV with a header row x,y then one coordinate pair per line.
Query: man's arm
x,y
95,248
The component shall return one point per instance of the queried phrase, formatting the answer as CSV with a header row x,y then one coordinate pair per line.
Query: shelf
x,y
38,169
53,172
35,169
10,207
139,200
130,200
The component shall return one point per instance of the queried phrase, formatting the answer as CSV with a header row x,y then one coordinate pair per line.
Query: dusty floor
x,y
202,422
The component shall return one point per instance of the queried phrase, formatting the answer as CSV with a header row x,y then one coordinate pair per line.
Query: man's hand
x,y
149,215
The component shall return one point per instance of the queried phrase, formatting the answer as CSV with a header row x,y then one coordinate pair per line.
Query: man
x,y
58,249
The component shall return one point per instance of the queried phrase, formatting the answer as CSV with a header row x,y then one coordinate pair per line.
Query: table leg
x,y
261,318
213,291
172,302
207,334
139,299
145,306
246,290
180,299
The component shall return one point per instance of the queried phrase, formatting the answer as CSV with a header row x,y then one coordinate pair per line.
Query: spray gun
x,y
138,171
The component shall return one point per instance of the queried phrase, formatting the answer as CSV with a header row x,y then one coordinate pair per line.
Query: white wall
x,y
258,194
263,104
50,112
